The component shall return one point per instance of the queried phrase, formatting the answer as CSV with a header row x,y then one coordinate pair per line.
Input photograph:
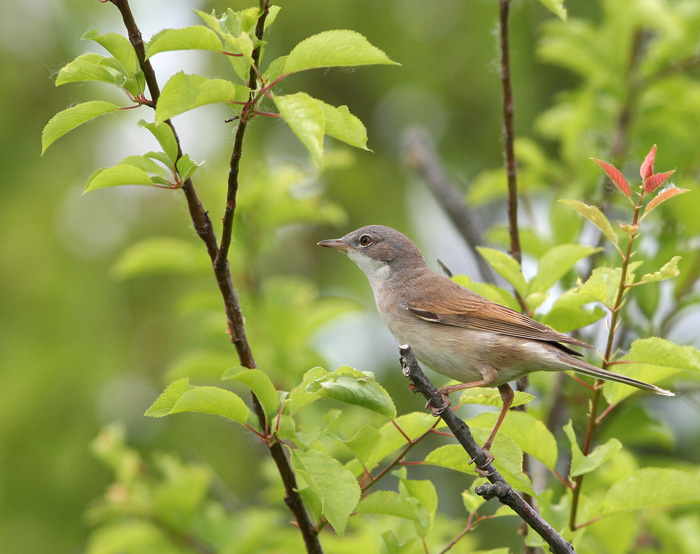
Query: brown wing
x,y
448,303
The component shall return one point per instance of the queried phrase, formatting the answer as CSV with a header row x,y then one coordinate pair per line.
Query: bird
x,y
457,332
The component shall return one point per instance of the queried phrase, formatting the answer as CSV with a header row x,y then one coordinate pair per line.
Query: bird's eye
x,y
366,240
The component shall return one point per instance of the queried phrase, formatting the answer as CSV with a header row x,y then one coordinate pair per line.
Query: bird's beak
x,y
338,244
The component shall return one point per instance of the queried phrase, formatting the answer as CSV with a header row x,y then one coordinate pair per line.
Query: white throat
x,y
377,272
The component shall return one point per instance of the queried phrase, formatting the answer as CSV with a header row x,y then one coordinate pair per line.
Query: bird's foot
x,y
488,459
446,403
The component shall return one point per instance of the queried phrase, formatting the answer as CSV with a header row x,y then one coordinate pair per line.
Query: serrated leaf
x,y
660,198
556,263
422,490
160,256
655,181
491,397
185,92
117,45
651,487
556,7
339,48
186,166
507,267
393,504
529,433
92,67
305,117
342,125
275,69
332,483
148,164
581,464
615,175
196,37
117,175
603,285
595,216
260,384
70,118
651,360
167,399
646,170
668,271
212,400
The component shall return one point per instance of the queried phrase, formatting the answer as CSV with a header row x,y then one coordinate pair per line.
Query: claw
x,y
489,458
436,411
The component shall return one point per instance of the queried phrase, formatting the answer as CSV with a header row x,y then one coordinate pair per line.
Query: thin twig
x,y
234,316
498,488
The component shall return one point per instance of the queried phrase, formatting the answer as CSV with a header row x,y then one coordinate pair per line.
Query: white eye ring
x,y
365,241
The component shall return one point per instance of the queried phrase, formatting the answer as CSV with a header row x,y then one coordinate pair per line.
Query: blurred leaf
x,y
137,536
567,313
185,92
472,501
492,292
196,37
668,271
332,483
530,434
122,174
342,125
260,384
603,285
506,267
70,118
556,7
305,117
275,69
651,360
199,364
334,49
165,136
581,464
595,216
160,256
651,487
491,397
393,504
556,263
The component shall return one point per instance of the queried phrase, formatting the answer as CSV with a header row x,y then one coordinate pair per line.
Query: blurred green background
x,y
80,348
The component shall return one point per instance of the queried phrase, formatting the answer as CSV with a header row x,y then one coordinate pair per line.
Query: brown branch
x,y
420,155
220,264
498,488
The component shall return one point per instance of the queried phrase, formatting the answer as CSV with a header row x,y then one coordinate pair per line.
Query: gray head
x,y
380,252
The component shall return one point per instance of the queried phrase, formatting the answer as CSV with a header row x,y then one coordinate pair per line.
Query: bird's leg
x,y
507,396
449,389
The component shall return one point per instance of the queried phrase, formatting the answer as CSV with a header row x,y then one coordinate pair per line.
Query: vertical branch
x,y
205,230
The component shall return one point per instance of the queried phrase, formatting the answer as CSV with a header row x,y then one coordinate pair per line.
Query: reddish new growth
x,y
651,180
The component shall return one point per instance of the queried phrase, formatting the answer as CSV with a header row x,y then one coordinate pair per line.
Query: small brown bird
x,y
455,331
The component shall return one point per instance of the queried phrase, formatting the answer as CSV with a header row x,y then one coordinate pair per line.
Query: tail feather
x,y
580,366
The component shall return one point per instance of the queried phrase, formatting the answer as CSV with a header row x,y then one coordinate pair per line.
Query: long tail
x,y
580,366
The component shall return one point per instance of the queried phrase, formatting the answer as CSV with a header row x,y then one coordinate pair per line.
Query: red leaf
x,y
615,175
647,168
662,197
653,182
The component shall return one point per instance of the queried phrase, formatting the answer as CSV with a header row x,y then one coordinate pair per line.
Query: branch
x,y
234,316
499,487
420,155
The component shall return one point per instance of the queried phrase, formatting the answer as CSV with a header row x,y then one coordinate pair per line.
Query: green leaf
x,y
507,267
354,387
332,483
423,491
342,125
651,360
492,292
186,166
160,256
70,118
185,92
603,285
118,175
148,164
167,399
668,271
196,37
165,136
556,7
212,400
92,67
393,504
567,312
304,116
529,433
117,45
556,263
199,364
491,397
260,384
275,69
650,487
334,49
595,216
581,464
